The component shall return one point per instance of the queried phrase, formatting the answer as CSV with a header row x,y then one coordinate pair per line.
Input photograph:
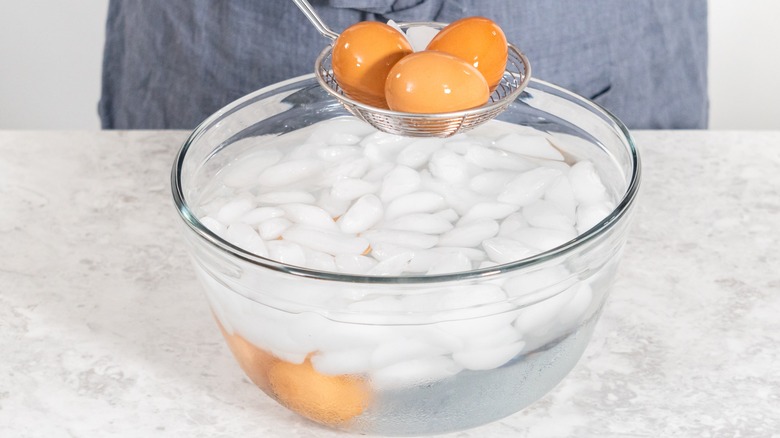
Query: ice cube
x,y
528,186
421,223
350,189
234,209
545,214
273,228
543,239
488,358
491,183
587,185
417,153
289,172
245,237
310,215
417,202
471,234
286,252
487,210
261,214
363,214
285,197
400,181
331,242
504,250
450,167
354,263
529,145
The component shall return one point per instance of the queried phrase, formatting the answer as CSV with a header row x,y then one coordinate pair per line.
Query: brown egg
x,y
434,82
330,400
478,41
362,57
254,361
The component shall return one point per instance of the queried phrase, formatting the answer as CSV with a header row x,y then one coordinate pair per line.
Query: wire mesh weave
x,y
516,77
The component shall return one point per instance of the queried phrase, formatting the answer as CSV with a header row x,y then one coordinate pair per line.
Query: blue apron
x,y
172,63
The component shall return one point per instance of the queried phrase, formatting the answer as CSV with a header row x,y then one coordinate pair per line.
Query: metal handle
x,y
315,19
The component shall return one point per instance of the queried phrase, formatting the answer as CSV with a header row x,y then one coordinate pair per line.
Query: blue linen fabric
x,y
172,63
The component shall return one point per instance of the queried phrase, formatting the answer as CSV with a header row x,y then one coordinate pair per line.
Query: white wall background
x,y
51,50
50,62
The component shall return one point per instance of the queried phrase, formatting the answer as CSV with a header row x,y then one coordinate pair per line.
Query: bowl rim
x,y
194,224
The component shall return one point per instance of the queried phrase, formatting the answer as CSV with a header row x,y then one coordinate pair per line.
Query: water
x,y
473,398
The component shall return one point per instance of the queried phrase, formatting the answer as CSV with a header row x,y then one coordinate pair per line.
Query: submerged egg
x,y
362,57
478,41
252,360
434,82
326,399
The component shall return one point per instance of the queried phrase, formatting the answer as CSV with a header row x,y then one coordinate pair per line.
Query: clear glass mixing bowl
x,y
338,349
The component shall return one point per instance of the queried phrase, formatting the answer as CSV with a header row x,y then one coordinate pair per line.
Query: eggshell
x,y
330,400
254,361
478,41
434,82
363,55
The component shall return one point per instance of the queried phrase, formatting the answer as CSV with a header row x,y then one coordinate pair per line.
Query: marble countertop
x,y
104,330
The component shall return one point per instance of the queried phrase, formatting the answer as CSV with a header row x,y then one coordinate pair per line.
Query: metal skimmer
x,y
516,77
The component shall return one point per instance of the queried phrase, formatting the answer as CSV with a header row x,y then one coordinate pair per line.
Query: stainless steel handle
x,y
315,19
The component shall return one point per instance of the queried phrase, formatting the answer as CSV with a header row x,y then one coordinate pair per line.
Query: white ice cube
x,y
261,214
545,214
286,252
492,182
245,237
214,225
504,250
310,215
528,186
450,167
234,209
586,183
543,239
331,242
243,173
271,229
512,223
363,214
285,197
289,172
417,202
488,210
495,159
452,262
354,263
409,239
421,223
420,36
338,153
340,362
417,153
488,358
471,234
529,145
414,372
588,215
401,180
350,189
560,193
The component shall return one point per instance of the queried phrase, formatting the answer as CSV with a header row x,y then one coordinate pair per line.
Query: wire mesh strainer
x,y
516,77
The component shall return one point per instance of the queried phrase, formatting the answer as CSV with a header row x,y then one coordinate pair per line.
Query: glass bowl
x,y
405,355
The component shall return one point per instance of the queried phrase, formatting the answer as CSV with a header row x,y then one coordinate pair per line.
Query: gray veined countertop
x,y
104,331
